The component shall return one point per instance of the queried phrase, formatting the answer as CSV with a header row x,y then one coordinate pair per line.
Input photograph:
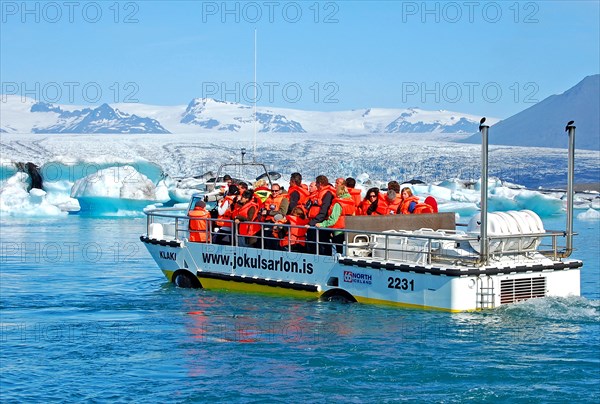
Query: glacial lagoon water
x,y
87,316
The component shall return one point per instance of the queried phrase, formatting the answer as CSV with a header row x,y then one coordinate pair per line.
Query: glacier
x,y
120,174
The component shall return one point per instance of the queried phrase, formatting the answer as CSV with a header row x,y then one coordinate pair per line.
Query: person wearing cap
x,y
199,223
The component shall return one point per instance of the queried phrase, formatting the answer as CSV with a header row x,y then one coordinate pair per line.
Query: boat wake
x,y
565,309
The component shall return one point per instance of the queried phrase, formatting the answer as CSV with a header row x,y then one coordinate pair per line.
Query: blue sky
x,y
483,58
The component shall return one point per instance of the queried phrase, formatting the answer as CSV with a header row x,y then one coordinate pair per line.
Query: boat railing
x,y
424,246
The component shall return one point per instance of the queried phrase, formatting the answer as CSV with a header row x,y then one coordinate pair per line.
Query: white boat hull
x,y
364,280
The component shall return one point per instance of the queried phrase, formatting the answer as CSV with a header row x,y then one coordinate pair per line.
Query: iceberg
x,y
120,190
16,201
590,214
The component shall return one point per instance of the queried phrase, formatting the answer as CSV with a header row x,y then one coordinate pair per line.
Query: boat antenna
x,y
483,238
255,116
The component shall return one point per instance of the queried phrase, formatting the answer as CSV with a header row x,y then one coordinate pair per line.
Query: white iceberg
x,y
15,200
120,190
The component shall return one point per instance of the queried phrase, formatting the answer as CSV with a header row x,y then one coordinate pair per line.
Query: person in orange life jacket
x,y
225,204
242,187
246,210
311,207
340,181
368,206
293,238
409,202
354,192
390,201
198,223
297,192
225,210
389,204
343,205
320,203
276,204
228,181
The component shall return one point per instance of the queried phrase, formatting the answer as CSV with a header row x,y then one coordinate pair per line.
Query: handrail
x,y
181,230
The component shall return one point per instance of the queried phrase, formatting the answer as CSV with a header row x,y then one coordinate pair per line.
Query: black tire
x,y
337,295
186,280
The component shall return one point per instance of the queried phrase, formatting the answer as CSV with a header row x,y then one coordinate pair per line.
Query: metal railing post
x,y
484,242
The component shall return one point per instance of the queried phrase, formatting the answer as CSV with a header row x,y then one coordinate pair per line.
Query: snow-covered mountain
x,y
543,123
202,115
103,119
28,116
212,114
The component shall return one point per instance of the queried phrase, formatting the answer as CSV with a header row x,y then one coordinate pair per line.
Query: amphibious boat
x,y
419,261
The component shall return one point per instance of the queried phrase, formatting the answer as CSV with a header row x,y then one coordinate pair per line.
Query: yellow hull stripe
x,y
218,284
367,300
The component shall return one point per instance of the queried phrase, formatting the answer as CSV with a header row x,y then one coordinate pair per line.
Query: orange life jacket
x,y
227,214
406,204
355,194
198,224
316,200
385,207
296,235
303,196
273,203
348,209
302,192
423,208
246,229
363,207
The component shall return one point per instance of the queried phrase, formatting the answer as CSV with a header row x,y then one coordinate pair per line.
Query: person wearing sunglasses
x,y
368,206
276,203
